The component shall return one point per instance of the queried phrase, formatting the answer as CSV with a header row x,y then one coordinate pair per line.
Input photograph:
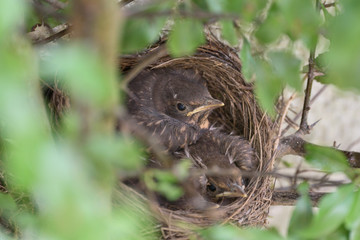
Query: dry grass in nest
x,y
221,67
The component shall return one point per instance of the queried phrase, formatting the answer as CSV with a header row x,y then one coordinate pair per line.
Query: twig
x,y
180,13
289,198
304,127
313,99
295,145
231,172
327,5
284,113
53,37
146,61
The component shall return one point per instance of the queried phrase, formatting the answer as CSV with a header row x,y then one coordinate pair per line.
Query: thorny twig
x,y
292,122
304,127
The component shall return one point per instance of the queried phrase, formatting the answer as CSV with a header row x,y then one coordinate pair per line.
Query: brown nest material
x,y
221,67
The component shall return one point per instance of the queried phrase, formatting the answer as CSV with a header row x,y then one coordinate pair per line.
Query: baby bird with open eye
x,y
172,104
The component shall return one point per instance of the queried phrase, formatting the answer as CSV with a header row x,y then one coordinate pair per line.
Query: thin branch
x,y
284,113
328,5
159,52
289,198
295,145
320,180
304,127
313,99
180,13
54,37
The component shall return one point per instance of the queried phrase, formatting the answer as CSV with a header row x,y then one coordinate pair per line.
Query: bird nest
x,y
220,66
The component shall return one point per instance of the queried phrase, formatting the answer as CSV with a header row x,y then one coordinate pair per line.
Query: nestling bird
x,y
172,104
217,152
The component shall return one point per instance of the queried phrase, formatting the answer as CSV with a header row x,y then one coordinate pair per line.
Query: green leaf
x,y
249,9
163,182
124,153
248,62
297,19
185,37
352,221
326,158
302,20
139,33
343,57
267,86
333,210
182,169
216,6
11,14
229,32
341,233
84,74
273,26
302,214
7,203
287,68
355,233
231,232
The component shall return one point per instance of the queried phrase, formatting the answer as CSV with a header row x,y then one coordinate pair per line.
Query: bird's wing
x,y
237,149
173,134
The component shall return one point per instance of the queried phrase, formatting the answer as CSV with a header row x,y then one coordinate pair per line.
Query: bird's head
x,y
217,188
184,96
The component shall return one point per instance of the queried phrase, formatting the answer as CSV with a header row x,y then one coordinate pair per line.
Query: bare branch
x,y
180,13
304,127
54,37
146,61
289,198
328,5
295,145
313,99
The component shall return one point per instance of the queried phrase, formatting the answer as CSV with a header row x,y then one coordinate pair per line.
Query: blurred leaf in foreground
x,y
232,232
185,36
139,33
333,210
343,57
302,214
163,182
326,158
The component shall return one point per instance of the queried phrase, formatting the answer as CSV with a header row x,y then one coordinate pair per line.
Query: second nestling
x,y
174,105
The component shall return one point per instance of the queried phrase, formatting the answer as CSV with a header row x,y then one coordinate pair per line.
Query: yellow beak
x,y
231,194
238,192
211,104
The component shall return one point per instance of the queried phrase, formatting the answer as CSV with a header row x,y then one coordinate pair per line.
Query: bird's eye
x,y
211,187
181,107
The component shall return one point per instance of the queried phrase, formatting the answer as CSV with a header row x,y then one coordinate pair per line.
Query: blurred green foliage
x,y
63,188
